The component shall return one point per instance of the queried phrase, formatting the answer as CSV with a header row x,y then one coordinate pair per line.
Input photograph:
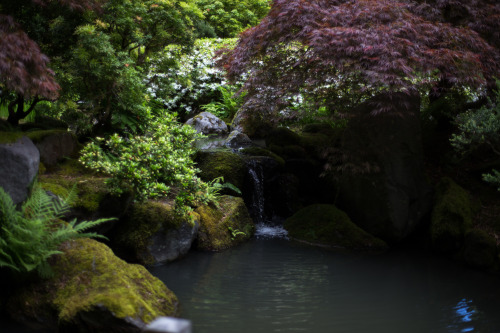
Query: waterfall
x,y
265,226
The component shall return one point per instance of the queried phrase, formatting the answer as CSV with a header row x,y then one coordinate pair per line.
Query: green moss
x,y
451,216
90,275
91,190
35,136
257,151
329,226
224,226
225,164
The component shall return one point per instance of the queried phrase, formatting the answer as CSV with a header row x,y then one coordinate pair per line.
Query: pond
x,y
275,285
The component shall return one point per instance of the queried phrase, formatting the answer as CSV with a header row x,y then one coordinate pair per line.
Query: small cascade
x,y
266,227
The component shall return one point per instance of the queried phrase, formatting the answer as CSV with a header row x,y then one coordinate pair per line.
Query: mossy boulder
x,y
93,198
326,225
224,226
222,163
54,146
92,290
258,151
451,216
152,233
282,136
480,249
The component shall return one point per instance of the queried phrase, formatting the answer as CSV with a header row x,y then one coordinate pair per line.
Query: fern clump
x,y
31,235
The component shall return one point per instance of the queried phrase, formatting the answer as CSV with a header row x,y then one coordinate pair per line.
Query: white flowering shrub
x,y
182,81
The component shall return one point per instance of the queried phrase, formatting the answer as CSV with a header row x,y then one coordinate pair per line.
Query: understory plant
x,y
31,235
156,164
480,128
229,104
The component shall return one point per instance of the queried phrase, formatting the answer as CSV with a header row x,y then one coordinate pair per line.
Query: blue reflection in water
x,y
464,313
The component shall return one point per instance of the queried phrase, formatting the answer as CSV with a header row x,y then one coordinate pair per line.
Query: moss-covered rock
x,y
95,291
152,233
222,163
480,249
224,226
451,216
282,136
326,225
258,151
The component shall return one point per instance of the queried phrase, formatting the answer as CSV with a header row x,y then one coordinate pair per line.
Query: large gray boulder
x,y
206,123
153,234
19,163
56,146
385,191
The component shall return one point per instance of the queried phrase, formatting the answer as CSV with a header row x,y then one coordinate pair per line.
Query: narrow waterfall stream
x,y
266,226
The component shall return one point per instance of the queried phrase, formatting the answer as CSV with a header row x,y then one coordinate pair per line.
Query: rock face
x,y
326,225
56,146
386,192
19,163
224,226
451,216
236,139
94,291
207,123
154,235
223,163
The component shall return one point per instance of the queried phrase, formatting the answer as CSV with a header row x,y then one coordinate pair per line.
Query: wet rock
x,y
94,291
326,225
451,216
224,226
222,163
19,163
236,139
153,234
207,123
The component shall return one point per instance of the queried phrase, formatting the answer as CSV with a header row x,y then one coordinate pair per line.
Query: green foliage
x,y
230,17
227,108
479,128
29,237
155,164
183,81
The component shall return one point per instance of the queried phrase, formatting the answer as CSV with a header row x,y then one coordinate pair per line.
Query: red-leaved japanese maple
x,y
24,72
342,52
25,76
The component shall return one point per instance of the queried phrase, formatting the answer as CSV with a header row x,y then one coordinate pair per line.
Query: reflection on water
x,y
277,286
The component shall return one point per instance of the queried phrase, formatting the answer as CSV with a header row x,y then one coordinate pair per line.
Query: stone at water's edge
x,y
19,163
93,291
153,234
224,226
451,216
207,123
387,193
326,225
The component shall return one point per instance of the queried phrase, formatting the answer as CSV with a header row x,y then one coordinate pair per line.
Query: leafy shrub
x,y
155,164
480,128
229,105
29,237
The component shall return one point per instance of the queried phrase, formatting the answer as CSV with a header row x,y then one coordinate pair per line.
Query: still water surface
x,y
274,285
